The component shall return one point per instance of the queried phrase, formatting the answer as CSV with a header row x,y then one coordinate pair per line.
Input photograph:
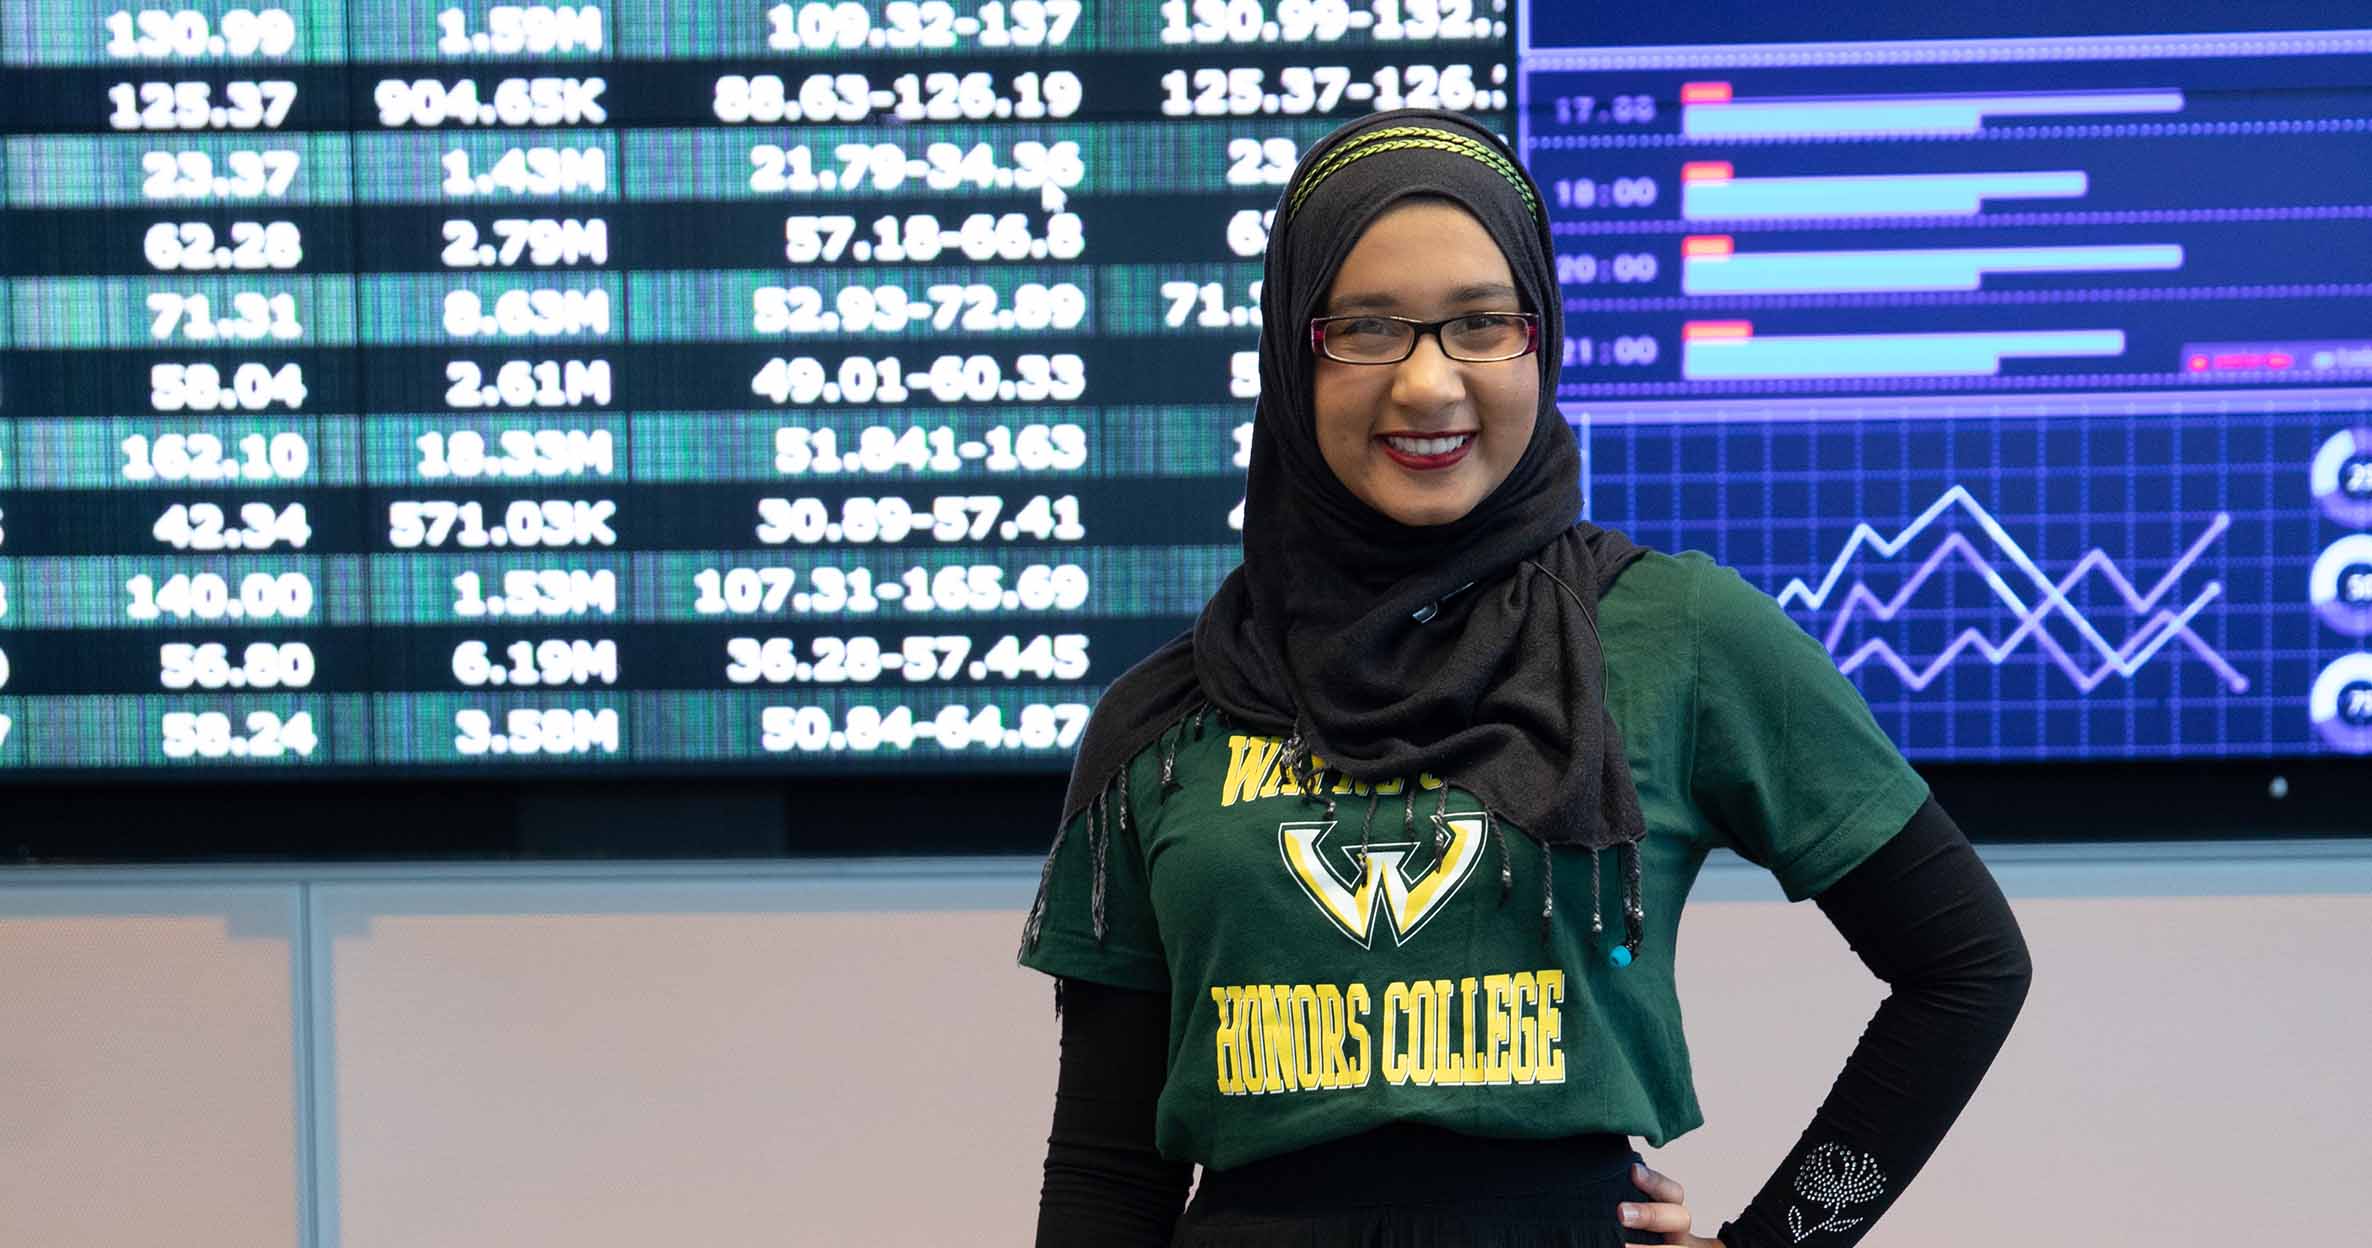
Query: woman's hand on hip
x,y
1667,1214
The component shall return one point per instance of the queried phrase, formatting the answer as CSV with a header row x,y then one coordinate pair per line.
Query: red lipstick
x,y
1427,463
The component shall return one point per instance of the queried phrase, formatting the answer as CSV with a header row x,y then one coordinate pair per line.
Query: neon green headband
x,y
1399,138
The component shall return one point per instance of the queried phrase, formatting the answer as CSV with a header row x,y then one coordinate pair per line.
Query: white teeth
x,y
1428,446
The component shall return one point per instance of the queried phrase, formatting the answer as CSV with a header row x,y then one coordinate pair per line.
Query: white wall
x,y
771,1053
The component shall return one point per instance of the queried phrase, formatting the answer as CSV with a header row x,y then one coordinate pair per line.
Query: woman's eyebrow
x,y
1468,293
1482,290
1362,302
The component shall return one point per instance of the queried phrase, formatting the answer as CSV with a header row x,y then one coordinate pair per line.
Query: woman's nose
x,y
1427,378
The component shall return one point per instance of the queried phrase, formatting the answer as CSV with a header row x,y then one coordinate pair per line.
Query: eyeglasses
x,y
1475,338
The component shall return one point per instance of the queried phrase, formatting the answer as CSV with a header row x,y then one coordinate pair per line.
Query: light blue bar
x,y
1943,268
1885,355
1907,114
1895,195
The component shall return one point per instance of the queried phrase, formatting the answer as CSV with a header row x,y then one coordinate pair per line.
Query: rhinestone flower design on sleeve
x,y
1832,1177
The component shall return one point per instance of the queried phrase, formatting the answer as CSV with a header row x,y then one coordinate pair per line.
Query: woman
x,y
1295,941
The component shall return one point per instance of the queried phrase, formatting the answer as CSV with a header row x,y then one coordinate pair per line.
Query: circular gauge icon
x,y
2340,587
2342,477
2341,703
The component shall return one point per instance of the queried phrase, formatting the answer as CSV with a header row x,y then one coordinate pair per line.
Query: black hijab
x,y
1379,649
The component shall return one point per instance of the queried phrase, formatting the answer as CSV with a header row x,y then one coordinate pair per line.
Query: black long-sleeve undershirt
x,y
1923,914
1105,1185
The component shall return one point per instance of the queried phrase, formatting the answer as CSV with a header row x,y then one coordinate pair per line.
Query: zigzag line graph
x,y
2162,626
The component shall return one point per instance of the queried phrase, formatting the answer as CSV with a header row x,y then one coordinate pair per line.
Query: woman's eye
x,y
1485,329
1364,327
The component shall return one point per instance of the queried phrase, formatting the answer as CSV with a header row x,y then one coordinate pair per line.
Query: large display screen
x,y
395,386
780,386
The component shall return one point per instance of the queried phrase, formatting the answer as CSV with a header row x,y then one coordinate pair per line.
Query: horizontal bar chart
x,y
1725,355
1722,271
1703,117
1716,195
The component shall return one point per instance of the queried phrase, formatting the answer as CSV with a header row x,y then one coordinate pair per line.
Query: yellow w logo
x,y
1383,881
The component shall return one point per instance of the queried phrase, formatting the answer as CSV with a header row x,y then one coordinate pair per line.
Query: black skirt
x,y
1408,1186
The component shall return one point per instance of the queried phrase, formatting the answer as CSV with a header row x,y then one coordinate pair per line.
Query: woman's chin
x,y
1429,510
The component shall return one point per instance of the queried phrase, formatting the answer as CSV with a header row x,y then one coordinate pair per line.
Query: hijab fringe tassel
x,y
1634,908
1099,840
1548,888
1597,916
1169,759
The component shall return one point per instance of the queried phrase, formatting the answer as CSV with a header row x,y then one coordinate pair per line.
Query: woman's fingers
x,y
1655,1217
1668,1211
1662,1187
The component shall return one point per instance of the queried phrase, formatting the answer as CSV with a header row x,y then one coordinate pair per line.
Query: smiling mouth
x,y
1426,444
1426,454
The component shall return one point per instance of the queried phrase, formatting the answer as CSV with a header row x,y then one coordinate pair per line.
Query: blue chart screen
x,y
2031,373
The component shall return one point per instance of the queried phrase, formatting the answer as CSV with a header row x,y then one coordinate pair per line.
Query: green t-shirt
x,y
1317,991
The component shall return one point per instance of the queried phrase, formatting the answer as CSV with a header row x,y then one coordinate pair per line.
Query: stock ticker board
x,y
827,386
